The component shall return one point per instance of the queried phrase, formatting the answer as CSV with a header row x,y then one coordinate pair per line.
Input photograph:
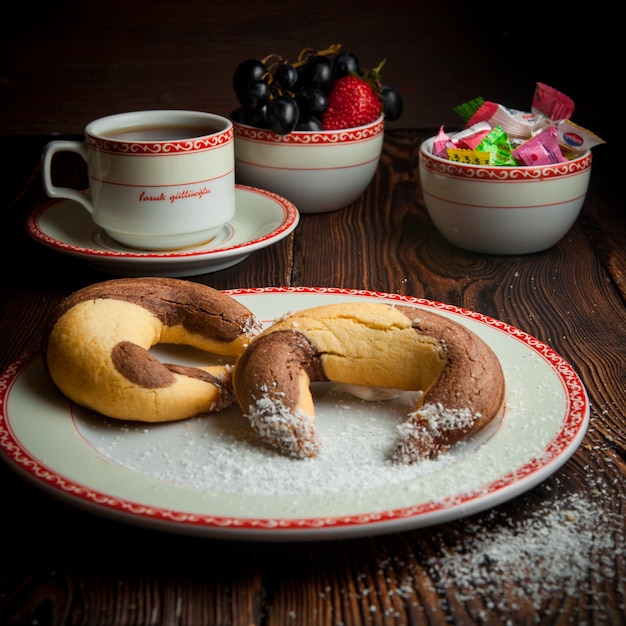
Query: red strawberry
x,y
351,102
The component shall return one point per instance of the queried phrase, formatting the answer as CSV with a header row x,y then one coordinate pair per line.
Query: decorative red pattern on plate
x,y
161,148
349,135
572,426
487,172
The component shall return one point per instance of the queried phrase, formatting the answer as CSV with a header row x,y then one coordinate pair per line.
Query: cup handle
x,y
50,149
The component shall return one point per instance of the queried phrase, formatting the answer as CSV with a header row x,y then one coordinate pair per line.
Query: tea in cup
x,y
158,180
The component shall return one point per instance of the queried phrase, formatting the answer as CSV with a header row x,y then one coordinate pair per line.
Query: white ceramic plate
x,y
210,476
262,219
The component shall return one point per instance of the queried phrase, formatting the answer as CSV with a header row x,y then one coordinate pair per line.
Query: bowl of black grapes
x,y
311,129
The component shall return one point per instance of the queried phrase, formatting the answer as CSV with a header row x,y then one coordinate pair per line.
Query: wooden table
x,y
553,555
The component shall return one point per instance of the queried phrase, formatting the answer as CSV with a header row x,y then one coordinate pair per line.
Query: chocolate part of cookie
x,y
468,396
473,378
140,367
200,309
277,375
197,373
282,355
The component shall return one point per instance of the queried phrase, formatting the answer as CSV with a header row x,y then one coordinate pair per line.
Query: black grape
x,y
392,103
254,117
308,124
319,72
286,75
282,114
254,95
248,71
311,101
346,63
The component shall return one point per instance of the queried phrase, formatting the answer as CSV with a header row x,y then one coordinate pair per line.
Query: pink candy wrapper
x,y
552,103
470,137
440,146
467,139
541,149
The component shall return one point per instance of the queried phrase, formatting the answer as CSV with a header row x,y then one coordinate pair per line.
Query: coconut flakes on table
x,y
549,551
509,563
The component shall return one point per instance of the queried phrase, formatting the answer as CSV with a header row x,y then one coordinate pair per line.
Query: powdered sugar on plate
x,y
222,453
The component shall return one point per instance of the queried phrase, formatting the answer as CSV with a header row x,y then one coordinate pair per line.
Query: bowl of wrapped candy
x,y
509,182
311,129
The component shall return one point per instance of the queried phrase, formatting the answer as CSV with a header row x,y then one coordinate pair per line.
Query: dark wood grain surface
x,y
553,555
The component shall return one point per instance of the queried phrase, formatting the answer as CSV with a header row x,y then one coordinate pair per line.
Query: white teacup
x,y
158,180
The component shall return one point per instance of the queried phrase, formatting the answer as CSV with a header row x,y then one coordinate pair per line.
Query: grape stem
x,y
273,60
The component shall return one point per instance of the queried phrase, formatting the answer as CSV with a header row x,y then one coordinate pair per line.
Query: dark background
x,y
66,62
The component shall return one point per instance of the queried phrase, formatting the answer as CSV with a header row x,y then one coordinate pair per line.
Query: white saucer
x,y
262,219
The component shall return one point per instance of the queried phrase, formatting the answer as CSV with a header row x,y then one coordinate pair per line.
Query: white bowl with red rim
x,y
503,210
318,171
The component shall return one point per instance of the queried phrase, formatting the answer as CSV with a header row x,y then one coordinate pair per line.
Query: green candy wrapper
x,y
497,144
466,110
